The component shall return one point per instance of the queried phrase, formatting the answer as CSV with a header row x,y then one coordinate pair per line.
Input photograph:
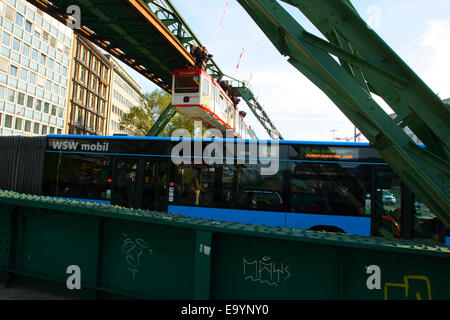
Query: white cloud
x,y
299,109
436,64
428,56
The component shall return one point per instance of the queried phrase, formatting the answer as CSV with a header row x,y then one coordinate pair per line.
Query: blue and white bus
x,y
330,186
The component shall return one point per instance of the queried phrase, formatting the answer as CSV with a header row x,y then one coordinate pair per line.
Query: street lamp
x,y
333,131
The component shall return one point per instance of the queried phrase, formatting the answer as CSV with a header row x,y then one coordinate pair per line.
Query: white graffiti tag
x,y
265,271
133,251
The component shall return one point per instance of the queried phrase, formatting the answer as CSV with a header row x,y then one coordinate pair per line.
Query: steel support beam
x,y
425,171
258,111
162,121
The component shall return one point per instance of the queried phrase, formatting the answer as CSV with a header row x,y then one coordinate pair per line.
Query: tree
x,y
139,120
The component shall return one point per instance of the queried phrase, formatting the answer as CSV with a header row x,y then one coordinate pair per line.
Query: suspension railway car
x,y
197,95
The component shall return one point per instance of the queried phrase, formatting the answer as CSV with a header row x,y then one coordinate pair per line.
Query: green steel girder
x,y
412,100
258,111
169,15
366,58
149,36
168,113
108,26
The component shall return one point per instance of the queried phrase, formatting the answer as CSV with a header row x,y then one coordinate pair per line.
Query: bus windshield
x,y
187,84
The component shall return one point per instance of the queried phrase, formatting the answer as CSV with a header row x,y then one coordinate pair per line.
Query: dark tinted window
x,y
77,176
329,188
187,84
228,186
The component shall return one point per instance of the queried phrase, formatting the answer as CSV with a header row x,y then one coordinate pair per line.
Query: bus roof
x,y
121,137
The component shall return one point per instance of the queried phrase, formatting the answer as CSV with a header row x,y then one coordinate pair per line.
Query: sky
x,y
418,31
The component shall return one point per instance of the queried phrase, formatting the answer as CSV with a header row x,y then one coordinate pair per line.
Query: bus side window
x,y
330,188
78,176
426,226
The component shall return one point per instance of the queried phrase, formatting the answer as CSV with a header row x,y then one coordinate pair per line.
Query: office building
x,y
35,54
125,93
90,89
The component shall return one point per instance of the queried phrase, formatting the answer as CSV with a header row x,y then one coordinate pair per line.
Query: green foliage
x,y
139,120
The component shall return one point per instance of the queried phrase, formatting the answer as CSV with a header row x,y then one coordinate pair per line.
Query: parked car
x,y
388,197
266,200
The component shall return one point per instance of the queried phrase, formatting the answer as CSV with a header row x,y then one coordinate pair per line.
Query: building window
x,y
20,98
23,74
43,59
8,121
38,105
95,65
19,19
83,55
27,126
81,95
16,44
11,95
34,55
94,83
30,102
32,78
13,71
28,26
36,128
26,50
18,125
50,63
79,116
83,75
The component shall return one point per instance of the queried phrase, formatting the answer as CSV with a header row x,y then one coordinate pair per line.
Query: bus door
x,y
154,190
385,202
126,184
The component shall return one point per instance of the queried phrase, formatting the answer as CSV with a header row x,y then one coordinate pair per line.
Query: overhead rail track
x,y
166,12
172,19
128,30
367,65
149,36
247,95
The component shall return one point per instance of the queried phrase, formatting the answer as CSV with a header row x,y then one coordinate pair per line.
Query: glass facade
x,y
35,54
125,94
